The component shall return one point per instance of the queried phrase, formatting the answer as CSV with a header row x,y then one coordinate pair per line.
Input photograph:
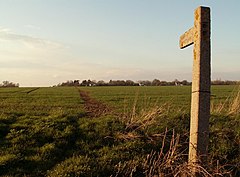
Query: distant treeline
x,y
226,82
155,82
9,84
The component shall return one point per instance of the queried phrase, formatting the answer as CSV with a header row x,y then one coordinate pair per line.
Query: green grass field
x,y
118,131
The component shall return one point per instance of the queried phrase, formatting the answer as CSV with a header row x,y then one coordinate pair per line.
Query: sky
x,y
46,42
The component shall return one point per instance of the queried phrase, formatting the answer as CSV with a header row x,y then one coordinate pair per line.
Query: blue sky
x,y
45,42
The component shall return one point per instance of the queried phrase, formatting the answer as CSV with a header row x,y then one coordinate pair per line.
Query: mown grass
x,y
47,132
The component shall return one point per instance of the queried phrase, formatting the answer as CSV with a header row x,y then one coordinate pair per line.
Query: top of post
x,y
201,14
202,10
203,7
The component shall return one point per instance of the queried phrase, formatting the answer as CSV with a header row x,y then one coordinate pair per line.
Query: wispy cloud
x,y
8,35
4,30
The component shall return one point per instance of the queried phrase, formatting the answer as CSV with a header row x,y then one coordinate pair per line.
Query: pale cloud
x,y
83,70
4,30
30,41
45,74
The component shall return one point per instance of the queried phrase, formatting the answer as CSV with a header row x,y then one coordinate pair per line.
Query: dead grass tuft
x,y
229,106
171,159
234,106
142,115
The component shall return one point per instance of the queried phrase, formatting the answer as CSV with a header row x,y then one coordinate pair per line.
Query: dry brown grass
x,y
143,115
170,160
234,107
139,117
229,106
170,163
164,163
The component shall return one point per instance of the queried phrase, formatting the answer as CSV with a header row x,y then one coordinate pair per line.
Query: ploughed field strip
x,y
93,107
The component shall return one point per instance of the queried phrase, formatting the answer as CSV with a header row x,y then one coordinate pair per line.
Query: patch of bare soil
x,y
93,107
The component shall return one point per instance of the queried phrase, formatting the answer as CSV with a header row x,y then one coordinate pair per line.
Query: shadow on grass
x,y
32,147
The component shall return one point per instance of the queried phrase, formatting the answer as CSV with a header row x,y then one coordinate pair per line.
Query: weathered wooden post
x,y
199,35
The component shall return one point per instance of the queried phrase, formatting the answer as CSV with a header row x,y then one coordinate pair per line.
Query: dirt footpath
x,y
93,107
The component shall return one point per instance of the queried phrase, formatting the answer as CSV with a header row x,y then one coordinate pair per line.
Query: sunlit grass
x,y
46,132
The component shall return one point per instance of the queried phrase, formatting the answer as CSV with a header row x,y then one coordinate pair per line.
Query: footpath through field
x,y
93,107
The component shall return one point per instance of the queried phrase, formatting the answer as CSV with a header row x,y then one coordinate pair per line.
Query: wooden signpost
x,y
199,35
